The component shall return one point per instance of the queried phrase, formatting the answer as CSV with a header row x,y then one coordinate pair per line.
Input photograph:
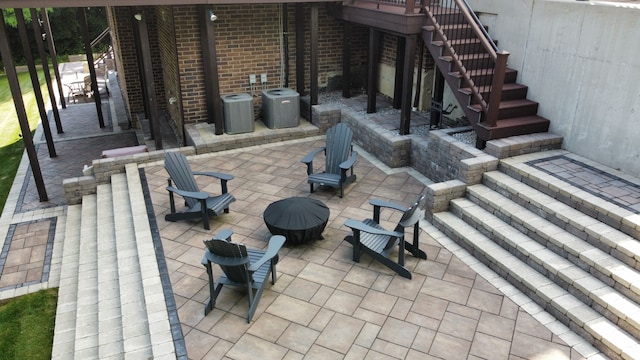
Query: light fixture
x,y
138,16
212,17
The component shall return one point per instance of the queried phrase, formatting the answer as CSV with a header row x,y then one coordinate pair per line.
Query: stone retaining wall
x,y
392,149
75,188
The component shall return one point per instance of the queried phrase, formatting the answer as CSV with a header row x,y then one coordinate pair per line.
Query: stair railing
x,y
459,18
104,34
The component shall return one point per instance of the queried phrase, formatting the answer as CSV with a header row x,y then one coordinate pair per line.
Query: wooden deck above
x,y
387,17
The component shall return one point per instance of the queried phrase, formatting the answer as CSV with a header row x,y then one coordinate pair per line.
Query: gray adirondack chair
x,y
248,268
370,237
339,159
199,204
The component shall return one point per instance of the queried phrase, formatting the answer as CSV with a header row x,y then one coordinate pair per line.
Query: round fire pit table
x,y
299,219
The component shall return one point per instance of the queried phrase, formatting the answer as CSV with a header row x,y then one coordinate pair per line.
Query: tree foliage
x,y
64,27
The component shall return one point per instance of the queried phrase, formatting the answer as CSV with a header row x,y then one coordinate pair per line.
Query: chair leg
x,y
212,300
205,215
311,187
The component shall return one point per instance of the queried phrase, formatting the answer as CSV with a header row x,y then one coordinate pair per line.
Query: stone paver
x,y
324,305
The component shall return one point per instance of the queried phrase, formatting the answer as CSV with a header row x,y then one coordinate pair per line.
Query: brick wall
x,y
248,41
388,45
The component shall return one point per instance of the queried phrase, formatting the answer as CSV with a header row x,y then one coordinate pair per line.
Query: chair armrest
x,y
387,204
221,176
275,244
309,157
348,164
199,195
358,225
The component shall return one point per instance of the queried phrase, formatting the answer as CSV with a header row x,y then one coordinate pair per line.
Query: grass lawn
x,y
26,322
26,326
11,145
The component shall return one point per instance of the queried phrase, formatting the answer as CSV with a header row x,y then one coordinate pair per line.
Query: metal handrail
x,y
101,36
484,31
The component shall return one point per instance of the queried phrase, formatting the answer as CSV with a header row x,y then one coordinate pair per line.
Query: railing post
x,y
410,6
496,87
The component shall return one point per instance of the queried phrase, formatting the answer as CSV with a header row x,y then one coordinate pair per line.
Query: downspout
x,y
285,40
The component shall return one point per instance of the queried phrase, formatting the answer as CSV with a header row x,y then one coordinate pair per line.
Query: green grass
x,y
26,326
11,144
26,322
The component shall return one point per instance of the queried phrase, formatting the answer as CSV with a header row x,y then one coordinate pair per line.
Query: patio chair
x,y
200,205
339,159
242,267
79,89
370,237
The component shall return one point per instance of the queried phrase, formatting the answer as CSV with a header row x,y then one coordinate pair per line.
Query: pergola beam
x,y
35,82
14,85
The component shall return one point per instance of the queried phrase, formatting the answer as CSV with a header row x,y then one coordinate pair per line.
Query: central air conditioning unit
x,y
238,113
281,108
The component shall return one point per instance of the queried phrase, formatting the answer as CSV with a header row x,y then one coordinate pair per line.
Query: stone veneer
x,y
75,188
450,163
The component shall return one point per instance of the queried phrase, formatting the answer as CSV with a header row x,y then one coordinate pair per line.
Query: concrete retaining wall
x,y
576,60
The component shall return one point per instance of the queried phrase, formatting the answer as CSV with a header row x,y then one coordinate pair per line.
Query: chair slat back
x,y
180,173
338,142
233,259
411,216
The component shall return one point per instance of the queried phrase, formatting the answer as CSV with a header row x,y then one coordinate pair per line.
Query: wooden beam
x,y
300,49
149,85
346,59
416,99
14,85
372,70
45,68
407,83
54,55
397,84
210,65
109,3
35,82
313,55
84,29
437,96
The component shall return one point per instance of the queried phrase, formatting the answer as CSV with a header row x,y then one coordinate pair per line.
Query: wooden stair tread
x,y
477,72
486,88
508,104
520,121
465,41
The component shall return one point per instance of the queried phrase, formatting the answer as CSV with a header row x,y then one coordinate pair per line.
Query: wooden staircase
x,y
476,71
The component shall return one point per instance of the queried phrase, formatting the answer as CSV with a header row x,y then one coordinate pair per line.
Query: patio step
x,y
617,217
111,303
577,265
